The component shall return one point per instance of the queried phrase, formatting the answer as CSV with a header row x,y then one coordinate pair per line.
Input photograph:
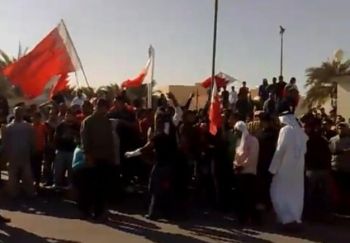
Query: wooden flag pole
x,y
76,53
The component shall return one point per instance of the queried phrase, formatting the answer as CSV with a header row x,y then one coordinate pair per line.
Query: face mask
x,y
167,128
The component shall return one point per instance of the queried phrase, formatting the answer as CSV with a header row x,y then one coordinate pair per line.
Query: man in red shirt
x,y
41,135
280,88
243,91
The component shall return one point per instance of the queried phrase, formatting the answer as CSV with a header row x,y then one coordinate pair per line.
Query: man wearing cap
x,y
287,167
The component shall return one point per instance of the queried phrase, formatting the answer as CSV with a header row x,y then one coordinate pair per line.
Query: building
x,y
343,96
183,92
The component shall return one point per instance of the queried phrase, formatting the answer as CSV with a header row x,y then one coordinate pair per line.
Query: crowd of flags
x,y
49,63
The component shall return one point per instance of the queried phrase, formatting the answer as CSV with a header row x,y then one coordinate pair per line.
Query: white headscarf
x,y
242,127
290,120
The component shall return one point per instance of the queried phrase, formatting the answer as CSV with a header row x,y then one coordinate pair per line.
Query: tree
x,y
5,85
6,88
320,85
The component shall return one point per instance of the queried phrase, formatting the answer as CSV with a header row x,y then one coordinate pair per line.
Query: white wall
x,y
344,96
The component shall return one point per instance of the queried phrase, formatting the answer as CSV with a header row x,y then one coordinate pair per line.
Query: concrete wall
x,y
182,93
343,99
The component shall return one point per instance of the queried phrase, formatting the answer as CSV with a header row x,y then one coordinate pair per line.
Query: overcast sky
x,y
112,36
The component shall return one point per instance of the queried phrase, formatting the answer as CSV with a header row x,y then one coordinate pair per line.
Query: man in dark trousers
x,y
98,145
267,143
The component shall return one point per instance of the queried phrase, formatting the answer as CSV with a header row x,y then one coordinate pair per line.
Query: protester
x,y
79,99
189,152
270,105
18,144
273,87
225,97
245,163
82,181
244,107
243,91
280,88
340,148
66,136
233,98
318,170
290,86
163,143
263,91
41,135
99,149
120,110
267,138
287,167
49,154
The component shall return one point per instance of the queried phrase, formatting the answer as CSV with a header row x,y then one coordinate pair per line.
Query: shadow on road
x,y
147,230
16,235
215,226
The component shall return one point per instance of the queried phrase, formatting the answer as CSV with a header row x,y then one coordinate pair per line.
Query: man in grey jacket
x,y
99,148
18,141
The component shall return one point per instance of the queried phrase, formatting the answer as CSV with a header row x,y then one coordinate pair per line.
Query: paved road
x,y
57,221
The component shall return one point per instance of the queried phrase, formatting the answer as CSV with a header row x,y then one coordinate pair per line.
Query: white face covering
x,y
242,127
167,128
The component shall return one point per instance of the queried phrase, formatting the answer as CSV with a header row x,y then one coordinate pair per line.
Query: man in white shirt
x,y
233,98
79,99
245,164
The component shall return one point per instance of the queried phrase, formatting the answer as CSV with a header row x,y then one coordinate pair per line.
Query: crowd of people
x,y
262,158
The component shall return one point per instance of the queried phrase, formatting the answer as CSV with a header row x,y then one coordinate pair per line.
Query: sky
x,y
112,36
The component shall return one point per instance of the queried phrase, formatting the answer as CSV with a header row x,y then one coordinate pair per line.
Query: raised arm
x,y
149,146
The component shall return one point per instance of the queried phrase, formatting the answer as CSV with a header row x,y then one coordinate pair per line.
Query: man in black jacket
x,y
267,146
318,168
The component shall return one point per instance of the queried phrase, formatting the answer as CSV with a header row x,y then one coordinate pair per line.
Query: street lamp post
x,y
282,30
214,42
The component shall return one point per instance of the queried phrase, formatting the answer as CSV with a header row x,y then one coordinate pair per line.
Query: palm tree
x,y
320,80
6,88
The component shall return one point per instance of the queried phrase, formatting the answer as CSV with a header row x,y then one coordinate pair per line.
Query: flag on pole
x,y
222,79
60,85
138,80
52,56
214,111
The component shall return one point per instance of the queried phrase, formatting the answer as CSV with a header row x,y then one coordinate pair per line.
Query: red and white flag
x,y
138,80
60,85
52,56
222,79
215,119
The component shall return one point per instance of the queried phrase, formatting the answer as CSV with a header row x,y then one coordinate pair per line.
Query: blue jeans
x,y
62,165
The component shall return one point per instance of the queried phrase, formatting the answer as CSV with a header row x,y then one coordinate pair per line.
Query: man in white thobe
x,y
287,166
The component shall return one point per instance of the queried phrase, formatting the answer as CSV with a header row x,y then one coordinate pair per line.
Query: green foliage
x,y
319,83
